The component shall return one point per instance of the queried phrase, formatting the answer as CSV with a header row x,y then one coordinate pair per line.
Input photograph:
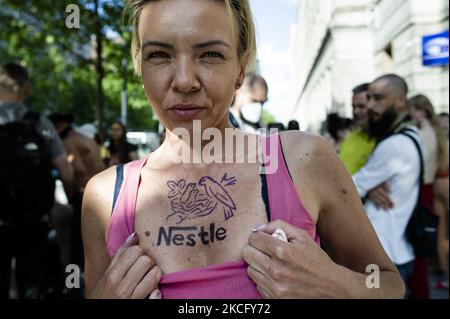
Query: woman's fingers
x,y
261,281
148,285
292,232
128,258
137,272
131,241
256,259
131,274
267,244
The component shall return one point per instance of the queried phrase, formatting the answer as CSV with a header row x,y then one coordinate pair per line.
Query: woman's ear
x,y
240,80
238,84
243,68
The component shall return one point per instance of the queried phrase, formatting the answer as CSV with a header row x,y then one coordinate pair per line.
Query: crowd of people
x,y
46,164
69,198
386,167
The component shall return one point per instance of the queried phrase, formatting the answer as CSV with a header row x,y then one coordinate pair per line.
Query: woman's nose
x,y
185,79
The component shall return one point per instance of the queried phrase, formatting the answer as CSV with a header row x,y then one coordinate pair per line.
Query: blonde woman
x,y
192,227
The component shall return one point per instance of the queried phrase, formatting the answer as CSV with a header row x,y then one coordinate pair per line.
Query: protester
x,y
279,127
357,146
30,147
442,209
104,152
436,157
337,128
393,167
120,150
190,225
443,118
436,169
86,163
85,151
293,125
246,112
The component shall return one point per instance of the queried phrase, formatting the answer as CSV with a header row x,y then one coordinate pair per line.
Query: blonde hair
x,y
422,103
239,9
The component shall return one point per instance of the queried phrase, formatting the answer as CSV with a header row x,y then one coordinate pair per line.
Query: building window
x,y
388,59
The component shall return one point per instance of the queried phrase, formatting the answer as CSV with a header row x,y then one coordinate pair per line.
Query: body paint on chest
x,y
190,235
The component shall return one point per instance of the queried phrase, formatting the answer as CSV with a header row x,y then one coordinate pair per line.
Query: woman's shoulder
x,y
307,147
311,157
102,180
98,196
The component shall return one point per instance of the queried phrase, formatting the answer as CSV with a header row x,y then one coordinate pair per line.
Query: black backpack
x,y
26,183
421,231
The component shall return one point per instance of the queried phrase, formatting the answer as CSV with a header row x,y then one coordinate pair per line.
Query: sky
x,y
275,20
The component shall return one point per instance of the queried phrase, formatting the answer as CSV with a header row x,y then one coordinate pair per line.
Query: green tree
x,y
267,118
78,70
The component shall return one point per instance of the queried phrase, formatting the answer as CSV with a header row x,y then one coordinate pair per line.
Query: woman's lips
x,y
186,113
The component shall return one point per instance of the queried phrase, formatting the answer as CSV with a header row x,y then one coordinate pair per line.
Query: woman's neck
x,y
424,123
118,141
212,145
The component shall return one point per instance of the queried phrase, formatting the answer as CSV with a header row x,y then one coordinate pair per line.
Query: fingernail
x,y
130,238
259,228
155,295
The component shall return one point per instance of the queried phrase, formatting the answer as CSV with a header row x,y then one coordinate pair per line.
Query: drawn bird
x,y
217,192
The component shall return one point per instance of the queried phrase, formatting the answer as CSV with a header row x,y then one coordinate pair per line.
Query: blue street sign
x,y
435,49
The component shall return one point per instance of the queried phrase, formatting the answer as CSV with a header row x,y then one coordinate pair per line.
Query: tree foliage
x,y
62,61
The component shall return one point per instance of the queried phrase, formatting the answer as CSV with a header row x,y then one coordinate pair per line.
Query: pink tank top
x,y
220,281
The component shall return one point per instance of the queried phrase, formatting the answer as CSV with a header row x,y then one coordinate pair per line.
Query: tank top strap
x,y
284,201
121,224
276,175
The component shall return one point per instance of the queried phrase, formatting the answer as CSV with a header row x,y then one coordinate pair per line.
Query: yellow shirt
x,y
356,150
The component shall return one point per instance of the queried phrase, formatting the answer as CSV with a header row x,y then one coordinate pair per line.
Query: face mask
x,y
252,112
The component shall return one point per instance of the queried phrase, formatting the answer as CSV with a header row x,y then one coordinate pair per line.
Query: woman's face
x,y
416,114
190,61
116,132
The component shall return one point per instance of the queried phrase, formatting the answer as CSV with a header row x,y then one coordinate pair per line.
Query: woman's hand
x,y
296,269
132,274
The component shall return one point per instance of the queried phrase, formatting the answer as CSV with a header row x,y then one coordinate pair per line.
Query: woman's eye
x,y
157,55
212,54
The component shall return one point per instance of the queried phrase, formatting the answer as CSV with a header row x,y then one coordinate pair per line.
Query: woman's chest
x,y
188,219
